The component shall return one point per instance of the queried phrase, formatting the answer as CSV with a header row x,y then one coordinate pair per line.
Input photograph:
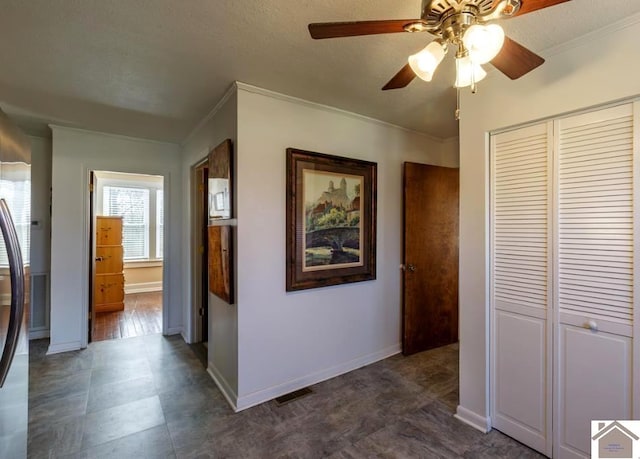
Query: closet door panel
x,y
595,383
595,283
520,383
595,228
520,287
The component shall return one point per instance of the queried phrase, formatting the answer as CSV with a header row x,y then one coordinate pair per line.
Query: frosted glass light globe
x,y
425,62
483,42
468,72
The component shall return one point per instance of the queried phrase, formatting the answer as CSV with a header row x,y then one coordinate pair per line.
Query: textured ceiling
x,y
154,68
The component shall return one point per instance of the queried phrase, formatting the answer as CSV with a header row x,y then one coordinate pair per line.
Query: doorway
x,y
200,287
126,260
430,279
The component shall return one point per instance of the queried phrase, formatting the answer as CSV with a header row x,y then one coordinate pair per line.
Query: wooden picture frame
x,y
331,220
221,262
220,234
220,182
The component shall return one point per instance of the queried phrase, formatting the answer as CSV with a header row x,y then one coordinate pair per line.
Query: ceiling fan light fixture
x,y
468,72
505,8
425,62
510,7
483,42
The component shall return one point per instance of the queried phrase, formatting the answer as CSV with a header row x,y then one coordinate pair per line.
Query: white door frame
x,y
87,249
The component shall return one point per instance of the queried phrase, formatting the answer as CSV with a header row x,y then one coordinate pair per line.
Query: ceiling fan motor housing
x,y
454,26
440,15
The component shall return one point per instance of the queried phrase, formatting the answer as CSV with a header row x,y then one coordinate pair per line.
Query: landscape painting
x,y
332,231
331,220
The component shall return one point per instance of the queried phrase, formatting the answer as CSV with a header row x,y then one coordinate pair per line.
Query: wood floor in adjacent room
x,y
142,316
151,397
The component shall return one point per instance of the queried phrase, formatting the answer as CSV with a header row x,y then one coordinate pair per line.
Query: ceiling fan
x,y
465,24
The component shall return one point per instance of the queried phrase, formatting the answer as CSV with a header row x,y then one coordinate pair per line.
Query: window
x,y
133,205
159,223
18,197
138,199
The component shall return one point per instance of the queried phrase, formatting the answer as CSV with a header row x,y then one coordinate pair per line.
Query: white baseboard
x,y
143,287
64,347
481,423
185,337
224,387
174,331
38,333
261,396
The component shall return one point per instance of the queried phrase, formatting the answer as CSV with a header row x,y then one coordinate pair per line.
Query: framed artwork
x,y
220,183
221,262
331,220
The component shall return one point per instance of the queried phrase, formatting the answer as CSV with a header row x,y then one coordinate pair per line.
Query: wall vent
x,y
39,308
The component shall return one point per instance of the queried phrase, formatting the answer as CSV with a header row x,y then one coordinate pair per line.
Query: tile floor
x,y
150,397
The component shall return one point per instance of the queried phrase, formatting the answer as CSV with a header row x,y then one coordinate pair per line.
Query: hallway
x,y
150,397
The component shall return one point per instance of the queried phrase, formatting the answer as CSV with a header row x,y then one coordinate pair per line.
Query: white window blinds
x,y
18,197
133,205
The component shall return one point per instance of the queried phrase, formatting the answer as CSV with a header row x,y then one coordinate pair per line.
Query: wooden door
x,y
430,280
204,286
201,279
92,255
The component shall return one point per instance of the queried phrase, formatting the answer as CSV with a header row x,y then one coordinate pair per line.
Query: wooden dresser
x,y
108,289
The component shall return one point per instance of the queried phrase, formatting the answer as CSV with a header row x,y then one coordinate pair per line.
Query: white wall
x,y
595,70
75,153
219,125
40,233
140,277
289,340
40,198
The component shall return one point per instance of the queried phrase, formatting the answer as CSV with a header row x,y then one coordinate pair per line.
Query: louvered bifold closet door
x,y
595,285
520,287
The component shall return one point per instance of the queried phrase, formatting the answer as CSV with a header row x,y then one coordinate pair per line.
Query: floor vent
x,y
291,396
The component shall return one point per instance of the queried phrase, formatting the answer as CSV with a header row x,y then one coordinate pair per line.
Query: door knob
x,y
408,267
99,258
591,325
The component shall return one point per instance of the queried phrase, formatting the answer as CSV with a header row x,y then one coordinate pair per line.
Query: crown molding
x,y
232,90
328,108
594,35
57,127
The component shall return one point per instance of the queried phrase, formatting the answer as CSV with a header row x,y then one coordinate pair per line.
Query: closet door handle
x,y
591,325
16,272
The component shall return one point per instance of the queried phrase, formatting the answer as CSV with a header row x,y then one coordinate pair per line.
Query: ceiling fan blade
x,y
352,29
400,79
514,60
529,6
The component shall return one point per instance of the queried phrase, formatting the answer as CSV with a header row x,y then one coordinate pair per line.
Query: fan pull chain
x,y
474,85
457,113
